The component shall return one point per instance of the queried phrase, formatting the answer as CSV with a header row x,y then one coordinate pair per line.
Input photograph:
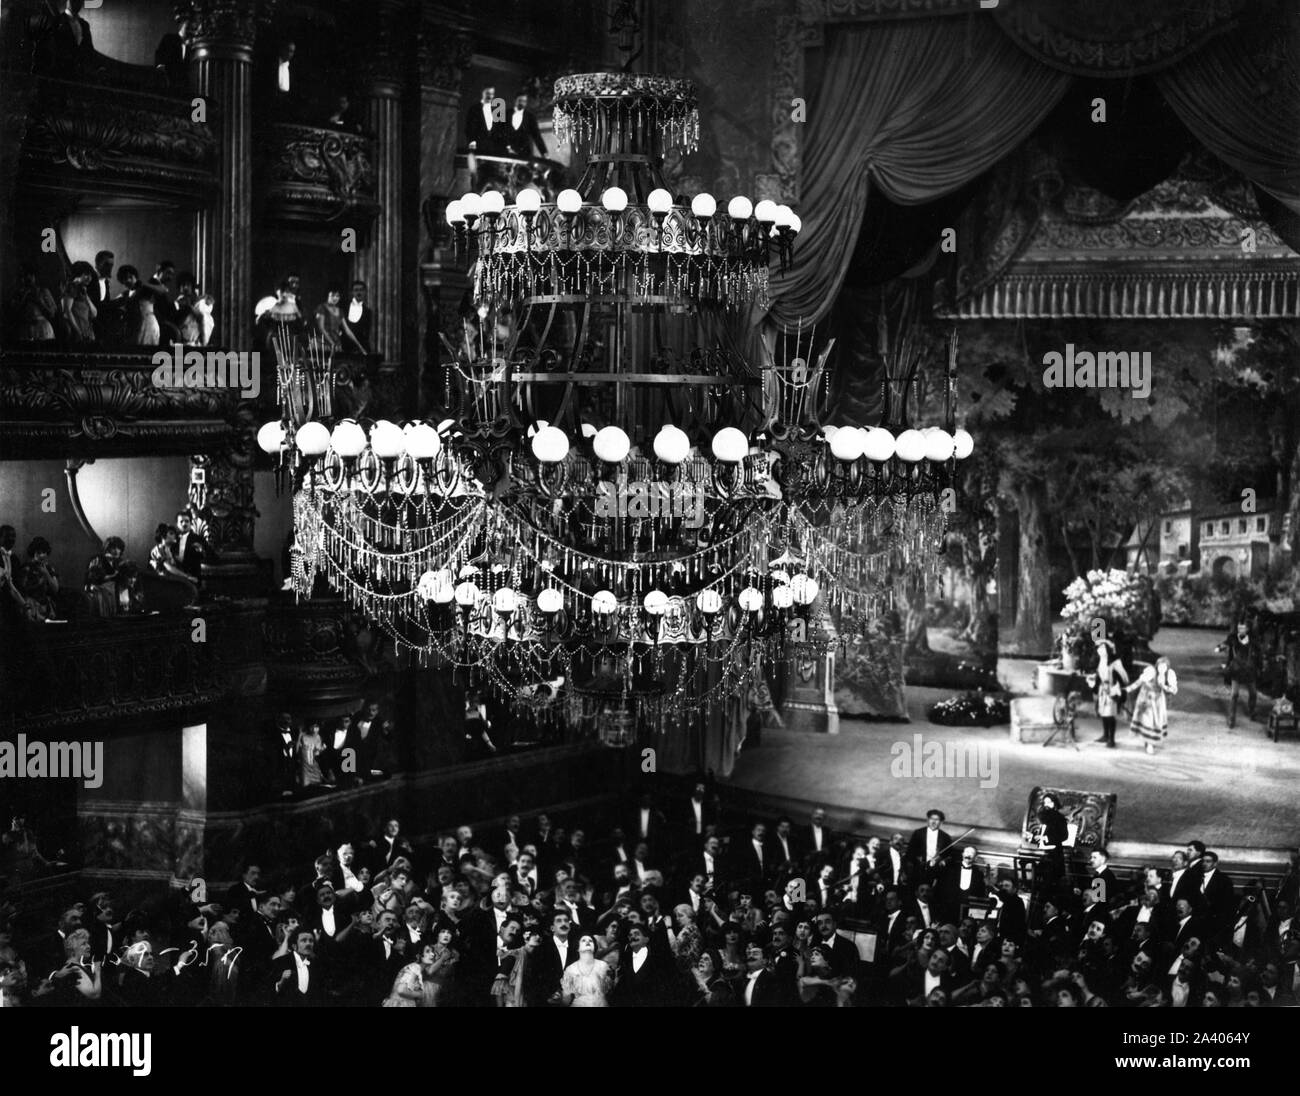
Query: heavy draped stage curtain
x,y
1239,95
915,109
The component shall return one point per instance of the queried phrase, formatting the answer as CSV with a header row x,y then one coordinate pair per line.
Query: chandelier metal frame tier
x,y
625,508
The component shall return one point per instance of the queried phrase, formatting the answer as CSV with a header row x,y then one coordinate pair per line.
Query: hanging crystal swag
x,y
624,511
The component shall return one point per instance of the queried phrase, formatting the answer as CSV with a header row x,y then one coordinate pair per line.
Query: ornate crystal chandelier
x,y
618,517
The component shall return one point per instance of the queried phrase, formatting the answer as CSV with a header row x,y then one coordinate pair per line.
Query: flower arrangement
x,y
974,709
1119,598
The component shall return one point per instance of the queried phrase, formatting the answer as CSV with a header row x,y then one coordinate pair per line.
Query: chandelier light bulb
x,y
963,444
879,444
804,589
782,597
655,602
672,445
387,440
614,199
588,431
611,444
312,439
444,587
751,599
659,200
847,444
455,212
828,432
528,200
270,438
422,441
709,602
550,445
466,594
427,584
784,216
505,601
939,446
911,446
740,208
568,201
471,205
550,600
603,602
796,225
704,205
765,211
348,439
492,203
730,445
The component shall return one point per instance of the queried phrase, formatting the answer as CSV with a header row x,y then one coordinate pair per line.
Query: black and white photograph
x,y
677,504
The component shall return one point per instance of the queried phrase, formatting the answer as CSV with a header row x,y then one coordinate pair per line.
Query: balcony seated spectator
x,y
38,581
164,563
79,311
32,311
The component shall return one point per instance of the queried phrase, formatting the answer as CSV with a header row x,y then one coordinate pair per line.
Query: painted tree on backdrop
x,y
1081,464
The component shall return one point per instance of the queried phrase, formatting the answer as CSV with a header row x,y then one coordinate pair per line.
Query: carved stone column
x,y
380,260
219,37
445,53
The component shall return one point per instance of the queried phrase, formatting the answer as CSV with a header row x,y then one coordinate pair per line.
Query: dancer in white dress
x,y
586,983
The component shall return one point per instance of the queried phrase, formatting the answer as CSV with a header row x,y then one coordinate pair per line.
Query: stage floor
x,y
1227,788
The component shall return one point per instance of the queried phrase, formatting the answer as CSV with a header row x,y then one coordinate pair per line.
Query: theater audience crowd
x,y
665,906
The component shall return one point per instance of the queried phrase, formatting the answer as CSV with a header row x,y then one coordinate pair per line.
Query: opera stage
x,y
1234,790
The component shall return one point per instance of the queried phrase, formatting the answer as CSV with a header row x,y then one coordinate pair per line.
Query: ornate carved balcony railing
x,y
59,404
510,174
315,173
89,138
123,667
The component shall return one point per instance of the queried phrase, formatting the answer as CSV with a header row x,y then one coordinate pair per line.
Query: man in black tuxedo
x,y
762,986
524,874
818,838
893,860
1186,925
926,849
709,862
644,980
559,951
192,549
1184,880
700,812
891,925
1012,917
523,134
648,823
383,955
485,125
259,936
327,921
843,954
914,984
786,852
1218,899
389,846
1103,885
357,321
298,977
756,861
959,883
246,893
100,290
